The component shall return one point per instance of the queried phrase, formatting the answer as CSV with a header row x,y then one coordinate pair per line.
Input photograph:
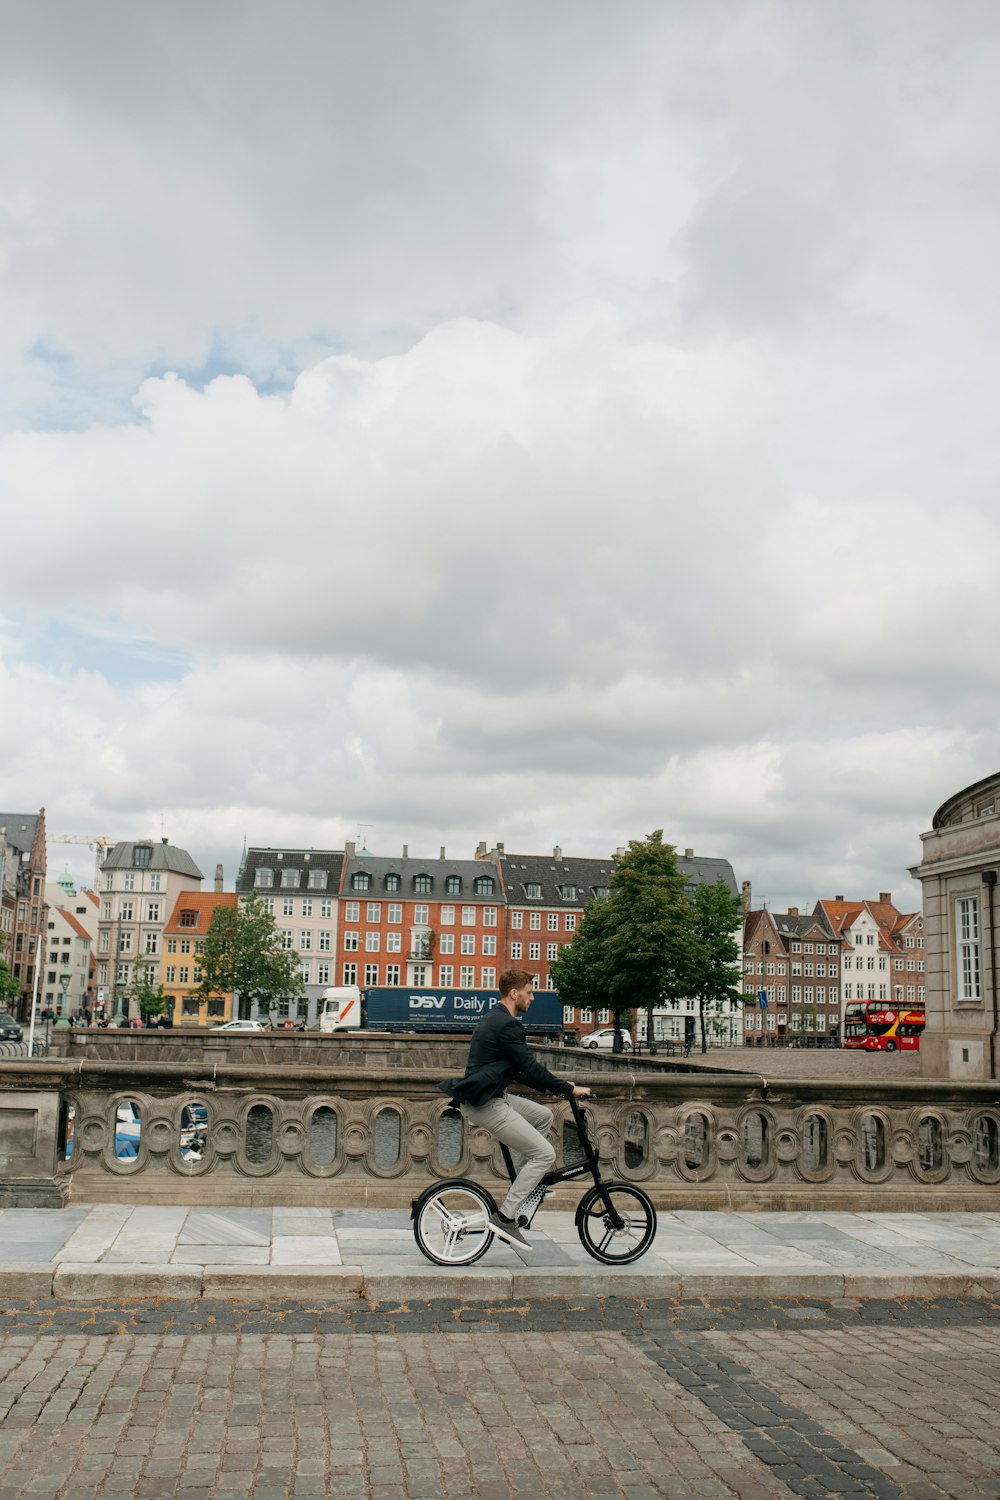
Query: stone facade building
x,y
140,883
300,889
958,875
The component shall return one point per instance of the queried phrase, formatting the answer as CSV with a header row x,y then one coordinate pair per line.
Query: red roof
x,y
203,904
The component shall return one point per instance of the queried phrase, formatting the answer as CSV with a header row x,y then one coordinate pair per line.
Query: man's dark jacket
x,y
499,1055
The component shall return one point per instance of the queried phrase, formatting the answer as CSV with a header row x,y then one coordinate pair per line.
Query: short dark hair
x,y
514,979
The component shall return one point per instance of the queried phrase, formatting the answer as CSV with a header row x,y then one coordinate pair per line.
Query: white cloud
x,y
605,440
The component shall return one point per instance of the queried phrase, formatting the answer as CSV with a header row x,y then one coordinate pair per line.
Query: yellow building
x,y
183,944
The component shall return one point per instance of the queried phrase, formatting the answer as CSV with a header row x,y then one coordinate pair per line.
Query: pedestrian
x,y
499,1055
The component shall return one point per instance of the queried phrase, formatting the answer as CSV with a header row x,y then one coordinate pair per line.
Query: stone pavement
x,y
560,1399
119,1252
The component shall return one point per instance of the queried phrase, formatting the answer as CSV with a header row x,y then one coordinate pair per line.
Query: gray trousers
x,y
521,1125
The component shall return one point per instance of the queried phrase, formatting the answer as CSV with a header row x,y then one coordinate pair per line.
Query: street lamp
x,y
64,983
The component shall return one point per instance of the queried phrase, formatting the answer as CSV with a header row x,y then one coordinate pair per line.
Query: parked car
x,y
10,1031
604,1038
242,1026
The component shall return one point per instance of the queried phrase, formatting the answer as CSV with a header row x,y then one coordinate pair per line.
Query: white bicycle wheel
x,y
451,1222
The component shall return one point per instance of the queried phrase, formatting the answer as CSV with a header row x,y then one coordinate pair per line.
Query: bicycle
x,y
616,1221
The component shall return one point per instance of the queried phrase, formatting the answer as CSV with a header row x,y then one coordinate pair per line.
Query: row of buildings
x,y
353,917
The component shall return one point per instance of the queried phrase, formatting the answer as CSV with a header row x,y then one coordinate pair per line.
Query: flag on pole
x,y
762,998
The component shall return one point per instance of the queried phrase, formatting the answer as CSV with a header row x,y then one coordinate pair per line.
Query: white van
x,y
340,1008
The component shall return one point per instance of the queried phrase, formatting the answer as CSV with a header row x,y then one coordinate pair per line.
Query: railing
x,y
227,1133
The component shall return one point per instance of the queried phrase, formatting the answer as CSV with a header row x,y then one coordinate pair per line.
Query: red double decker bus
x,y
878,1026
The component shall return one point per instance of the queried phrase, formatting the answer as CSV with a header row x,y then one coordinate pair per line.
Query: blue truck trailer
x,y
413,1008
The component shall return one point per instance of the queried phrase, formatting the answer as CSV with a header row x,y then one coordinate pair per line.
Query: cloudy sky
x,y
538,423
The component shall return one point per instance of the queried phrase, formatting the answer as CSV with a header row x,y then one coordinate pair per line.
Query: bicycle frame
x,y
591,1164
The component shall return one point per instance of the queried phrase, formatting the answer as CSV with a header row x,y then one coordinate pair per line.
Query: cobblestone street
x,y
595,1398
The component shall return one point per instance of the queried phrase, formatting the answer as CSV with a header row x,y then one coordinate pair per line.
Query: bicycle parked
x,y
616,1221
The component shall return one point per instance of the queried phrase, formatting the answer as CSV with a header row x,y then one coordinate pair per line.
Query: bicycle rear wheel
x,y
598,1235
451,1222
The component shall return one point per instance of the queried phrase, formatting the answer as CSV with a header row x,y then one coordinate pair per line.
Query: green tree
x,y
149,999
581,973
648,937
243,956
10,988
716,979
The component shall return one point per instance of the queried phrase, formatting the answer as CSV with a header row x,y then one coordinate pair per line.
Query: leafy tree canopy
x,y
10,987
243,955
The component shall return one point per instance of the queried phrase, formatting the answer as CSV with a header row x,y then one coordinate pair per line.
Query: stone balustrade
x,y
351,1134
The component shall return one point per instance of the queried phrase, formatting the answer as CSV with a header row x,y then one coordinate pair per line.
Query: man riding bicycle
x,y
499,1055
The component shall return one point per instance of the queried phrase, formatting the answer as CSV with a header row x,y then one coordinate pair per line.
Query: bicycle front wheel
x,y
616,1246
451,1222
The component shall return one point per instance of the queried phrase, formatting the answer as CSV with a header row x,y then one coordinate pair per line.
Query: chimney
x,y
163,841
350,848
499,848
441,855
747,892
838,898
689,854
793,911
557,852
218,878
886,896
481,849
406,851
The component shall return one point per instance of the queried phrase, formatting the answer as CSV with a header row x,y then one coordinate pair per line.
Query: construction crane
x,y
99,843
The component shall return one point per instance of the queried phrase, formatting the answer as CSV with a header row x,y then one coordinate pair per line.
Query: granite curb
x,y
347,1285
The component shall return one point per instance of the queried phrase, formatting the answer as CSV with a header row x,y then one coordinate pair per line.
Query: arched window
x,y
453,885
423,885
361,882
392,882
484,885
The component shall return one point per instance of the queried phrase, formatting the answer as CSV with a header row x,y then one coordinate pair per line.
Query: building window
x,y
126,911
286,942
447,974
423,885
446,942
394,942
171,945
325,943
534,951
489,916
305,940
289,879
350,973
967,924
171,974
568,892
515,951
489,978
374,911
484,885
350,942
533,891
125,943
152,911
447,916
188,919
552,952
352,911
468,942
392,974
322,973
453,885
534,920
326,907
394,912
392,882
288,906
267,902
307,906
570,920
361,882
371,974
317,880
468,977
468,916
373,941
152,942
517,919
154,882
421,916
129,881
489,945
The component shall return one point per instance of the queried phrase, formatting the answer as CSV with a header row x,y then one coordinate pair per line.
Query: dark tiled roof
x,y
162,857
699,871
19,830
549,873
468,871
329,860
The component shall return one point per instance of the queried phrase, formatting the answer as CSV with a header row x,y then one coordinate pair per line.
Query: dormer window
x,y
263,877
361,882
289,879
392,882
141,856
188,918
422,885
484,885
568,892
601,892
317,880
453,885
533,891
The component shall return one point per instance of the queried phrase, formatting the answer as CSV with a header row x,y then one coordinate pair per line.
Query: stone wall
x,y
352,1135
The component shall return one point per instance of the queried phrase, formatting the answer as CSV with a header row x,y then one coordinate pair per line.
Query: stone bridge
x,y
365,1124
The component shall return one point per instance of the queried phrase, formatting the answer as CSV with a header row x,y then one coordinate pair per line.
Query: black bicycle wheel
x,y
451,1222
598,1235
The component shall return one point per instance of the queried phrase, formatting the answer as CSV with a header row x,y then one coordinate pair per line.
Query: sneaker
x,y
509,1230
